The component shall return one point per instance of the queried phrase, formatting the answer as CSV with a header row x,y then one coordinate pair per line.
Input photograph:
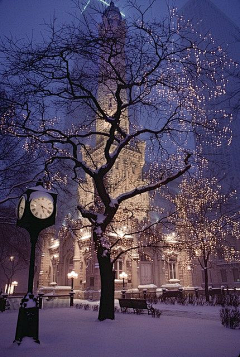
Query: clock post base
x,y
28,320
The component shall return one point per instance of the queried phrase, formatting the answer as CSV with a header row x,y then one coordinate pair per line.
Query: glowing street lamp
x,y
72,275
123,276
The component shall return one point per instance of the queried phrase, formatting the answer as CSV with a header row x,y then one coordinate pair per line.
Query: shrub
x,y
158,313
230,317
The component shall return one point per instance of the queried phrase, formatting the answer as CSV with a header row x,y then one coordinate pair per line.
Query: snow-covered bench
x,y
137,305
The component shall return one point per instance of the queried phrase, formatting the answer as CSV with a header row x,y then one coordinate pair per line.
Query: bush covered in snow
x,y
230,317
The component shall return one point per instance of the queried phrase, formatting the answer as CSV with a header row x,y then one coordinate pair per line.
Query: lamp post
x,y
72,275
36,211
14,284
123,276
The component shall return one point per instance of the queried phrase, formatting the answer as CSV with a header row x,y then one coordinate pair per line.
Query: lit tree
x,y
207,222
19,167
14,246
233,101
124,86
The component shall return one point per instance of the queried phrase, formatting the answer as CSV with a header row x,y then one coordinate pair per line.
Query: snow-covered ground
x,y
181,331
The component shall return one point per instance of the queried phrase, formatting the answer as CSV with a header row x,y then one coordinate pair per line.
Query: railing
x,y
140,295
12,302
49,301
217,296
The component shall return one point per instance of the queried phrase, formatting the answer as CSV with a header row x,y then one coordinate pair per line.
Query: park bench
x,y
172,295
138,305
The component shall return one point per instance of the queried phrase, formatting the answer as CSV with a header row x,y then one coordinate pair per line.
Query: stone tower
x,y
127,173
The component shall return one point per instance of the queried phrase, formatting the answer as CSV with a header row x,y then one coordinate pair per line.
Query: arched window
x,y
54,262
70,264
118,267
68,267
146,269
172,271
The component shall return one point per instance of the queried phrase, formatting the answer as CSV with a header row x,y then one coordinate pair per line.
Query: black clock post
x,y
36,211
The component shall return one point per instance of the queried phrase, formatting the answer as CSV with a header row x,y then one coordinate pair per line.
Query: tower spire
x,y
113,32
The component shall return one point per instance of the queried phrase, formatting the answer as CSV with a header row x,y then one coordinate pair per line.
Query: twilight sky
x,y
24,17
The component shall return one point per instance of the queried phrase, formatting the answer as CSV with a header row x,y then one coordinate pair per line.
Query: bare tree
x,y
207,222
126,86
14,246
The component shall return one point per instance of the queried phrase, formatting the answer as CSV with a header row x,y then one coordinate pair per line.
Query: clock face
x,y
21,207
41,207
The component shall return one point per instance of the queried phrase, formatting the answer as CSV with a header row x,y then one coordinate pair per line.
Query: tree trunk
x,y
106,309
206,283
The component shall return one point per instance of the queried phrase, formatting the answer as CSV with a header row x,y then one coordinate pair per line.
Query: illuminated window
x,y
118,267
172,269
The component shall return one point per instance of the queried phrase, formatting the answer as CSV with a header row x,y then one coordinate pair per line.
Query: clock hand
x,y
46,208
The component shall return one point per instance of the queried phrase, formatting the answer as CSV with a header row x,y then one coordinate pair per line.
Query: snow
x,y
100,218
181,331
172,286
105,253
29,301
148,286
113,203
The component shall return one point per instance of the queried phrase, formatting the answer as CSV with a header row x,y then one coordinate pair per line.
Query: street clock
x,y
36,209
